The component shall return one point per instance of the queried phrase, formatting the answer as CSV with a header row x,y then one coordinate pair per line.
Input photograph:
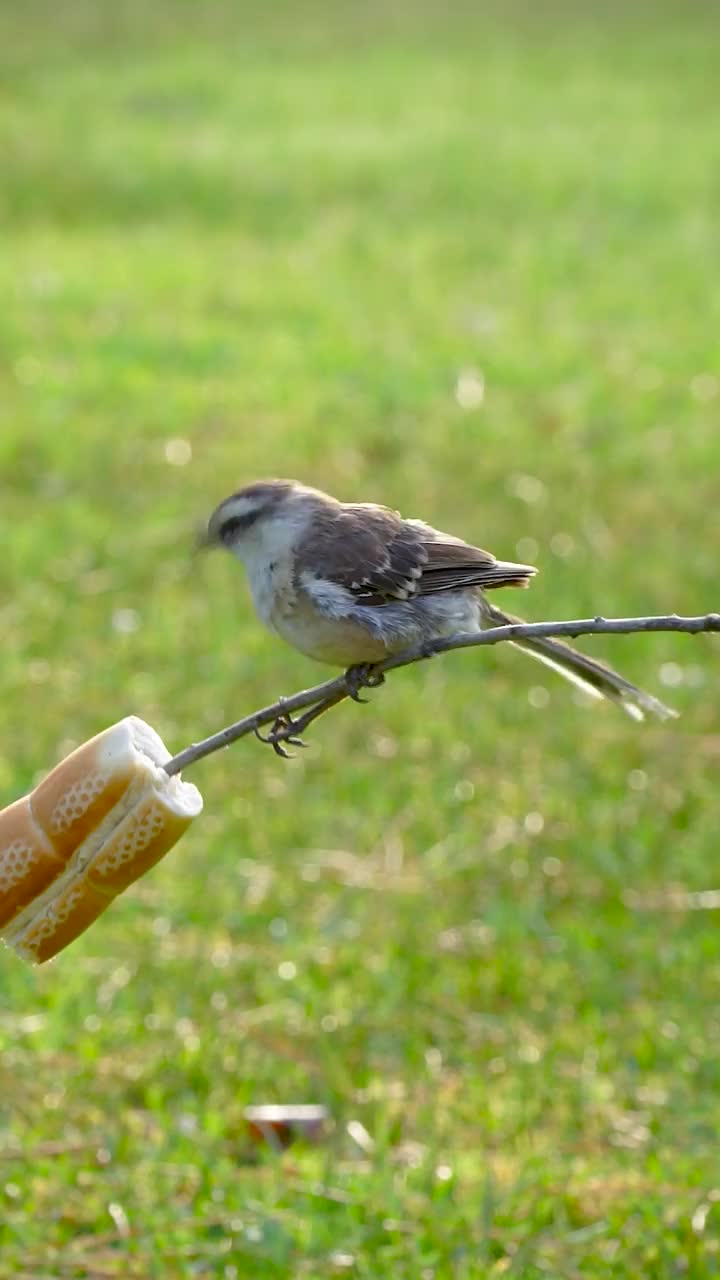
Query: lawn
x,y
459,258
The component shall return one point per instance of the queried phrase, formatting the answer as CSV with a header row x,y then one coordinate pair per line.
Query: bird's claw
x,y
283,730
362,675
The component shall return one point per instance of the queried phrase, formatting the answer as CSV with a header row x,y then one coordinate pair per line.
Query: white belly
x,y
292,615
338,641
324,622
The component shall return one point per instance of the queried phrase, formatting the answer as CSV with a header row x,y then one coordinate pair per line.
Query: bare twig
x,y
322,697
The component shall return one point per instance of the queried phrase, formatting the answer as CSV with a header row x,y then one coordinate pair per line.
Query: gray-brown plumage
x,y
379,557
351,583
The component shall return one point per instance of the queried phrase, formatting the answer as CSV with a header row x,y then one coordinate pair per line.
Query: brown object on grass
x,y
279,1124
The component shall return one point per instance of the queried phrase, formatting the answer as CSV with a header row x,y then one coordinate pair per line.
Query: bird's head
x,y
258,517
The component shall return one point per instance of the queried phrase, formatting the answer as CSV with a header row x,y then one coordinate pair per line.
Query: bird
x,y
352,583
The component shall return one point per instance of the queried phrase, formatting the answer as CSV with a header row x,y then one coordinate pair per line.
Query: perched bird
x,y
351,583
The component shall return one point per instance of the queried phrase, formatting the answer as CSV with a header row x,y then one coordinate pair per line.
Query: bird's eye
x,y
237,524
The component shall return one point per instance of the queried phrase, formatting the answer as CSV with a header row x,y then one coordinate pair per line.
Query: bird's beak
x,y
203,539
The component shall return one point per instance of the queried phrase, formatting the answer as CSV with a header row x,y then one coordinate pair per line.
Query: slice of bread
x,y
102,818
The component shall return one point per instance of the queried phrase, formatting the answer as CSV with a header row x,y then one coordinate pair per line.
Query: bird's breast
x,y
338,641
272,592
290,612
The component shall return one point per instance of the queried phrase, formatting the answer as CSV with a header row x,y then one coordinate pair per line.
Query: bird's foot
x,y
284,729
363,675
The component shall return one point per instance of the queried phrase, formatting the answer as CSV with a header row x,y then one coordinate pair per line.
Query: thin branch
x,y
322,697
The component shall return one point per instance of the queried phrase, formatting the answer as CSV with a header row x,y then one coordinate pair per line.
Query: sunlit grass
x,y
240,243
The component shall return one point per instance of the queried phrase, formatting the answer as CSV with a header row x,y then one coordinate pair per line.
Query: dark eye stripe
x,y
236,524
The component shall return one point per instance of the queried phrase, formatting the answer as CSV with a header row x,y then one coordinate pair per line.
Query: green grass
x,y
280,233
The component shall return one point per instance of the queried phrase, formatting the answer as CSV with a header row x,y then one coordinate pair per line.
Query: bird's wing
x,y
453,564
368,550
380,558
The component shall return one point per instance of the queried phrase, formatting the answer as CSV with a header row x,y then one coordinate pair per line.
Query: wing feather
x,y
381,559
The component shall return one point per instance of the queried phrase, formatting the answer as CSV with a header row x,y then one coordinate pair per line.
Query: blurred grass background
x,y
459,258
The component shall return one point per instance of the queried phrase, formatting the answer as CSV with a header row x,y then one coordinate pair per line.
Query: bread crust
x,y
101,819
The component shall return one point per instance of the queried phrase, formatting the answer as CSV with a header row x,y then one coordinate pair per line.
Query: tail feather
x,y
587,673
